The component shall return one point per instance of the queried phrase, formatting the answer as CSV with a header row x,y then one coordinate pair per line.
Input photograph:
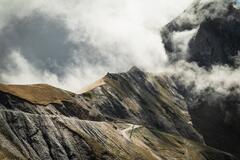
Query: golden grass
x,y
92,86
41,94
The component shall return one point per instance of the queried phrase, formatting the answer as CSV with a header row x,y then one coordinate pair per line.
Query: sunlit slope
x,y
38,93
130,116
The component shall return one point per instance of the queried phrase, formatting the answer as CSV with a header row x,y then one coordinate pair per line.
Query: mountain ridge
x,y
96,120
135,115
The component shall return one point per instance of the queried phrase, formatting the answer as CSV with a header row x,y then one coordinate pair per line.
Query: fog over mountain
x,y
203,44
72,43
163,74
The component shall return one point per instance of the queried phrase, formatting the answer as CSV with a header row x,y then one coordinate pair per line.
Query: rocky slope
x,y
133,115
216,116
207,33
136,115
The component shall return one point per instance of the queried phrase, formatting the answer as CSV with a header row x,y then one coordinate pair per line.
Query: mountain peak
x,y
212,31
135,69
143,114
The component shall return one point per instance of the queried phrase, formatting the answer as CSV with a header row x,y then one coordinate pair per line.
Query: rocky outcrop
x,y
133,115
142,98
208,33
212,30
136,115
215,115
222,111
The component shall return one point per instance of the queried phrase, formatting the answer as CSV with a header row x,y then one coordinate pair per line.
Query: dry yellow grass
x,y
41,94
92,86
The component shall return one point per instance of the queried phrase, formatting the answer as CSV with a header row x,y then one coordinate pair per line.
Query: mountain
x,y
207,33
136,115
133,115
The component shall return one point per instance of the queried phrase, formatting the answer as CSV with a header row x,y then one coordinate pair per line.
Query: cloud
x,y
181,41
69,44
221,78
72,43
21,71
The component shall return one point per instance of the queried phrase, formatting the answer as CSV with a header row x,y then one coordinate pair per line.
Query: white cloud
x,y
221,78
14,9
124,33
20,71
181,41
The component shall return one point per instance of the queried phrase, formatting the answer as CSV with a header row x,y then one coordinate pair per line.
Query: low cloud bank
x,y
71,43
222,79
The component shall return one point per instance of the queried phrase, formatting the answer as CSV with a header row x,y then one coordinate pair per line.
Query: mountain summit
x,y
133,115
207,33
136,115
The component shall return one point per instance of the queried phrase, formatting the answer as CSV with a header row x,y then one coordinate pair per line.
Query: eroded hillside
x,y
133,115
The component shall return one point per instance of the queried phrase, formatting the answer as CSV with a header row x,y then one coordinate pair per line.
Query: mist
x,y
223,79
69,44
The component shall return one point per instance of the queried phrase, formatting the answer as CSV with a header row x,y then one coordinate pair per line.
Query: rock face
x,y
208,33
133,115
223,113
212,30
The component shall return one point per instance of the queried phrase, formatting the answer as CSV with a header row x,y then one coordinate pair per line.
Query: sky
x,y
70,44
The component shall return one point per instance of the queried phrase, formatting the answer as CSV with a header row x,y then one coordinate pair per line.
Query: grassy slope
x,y
41,94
